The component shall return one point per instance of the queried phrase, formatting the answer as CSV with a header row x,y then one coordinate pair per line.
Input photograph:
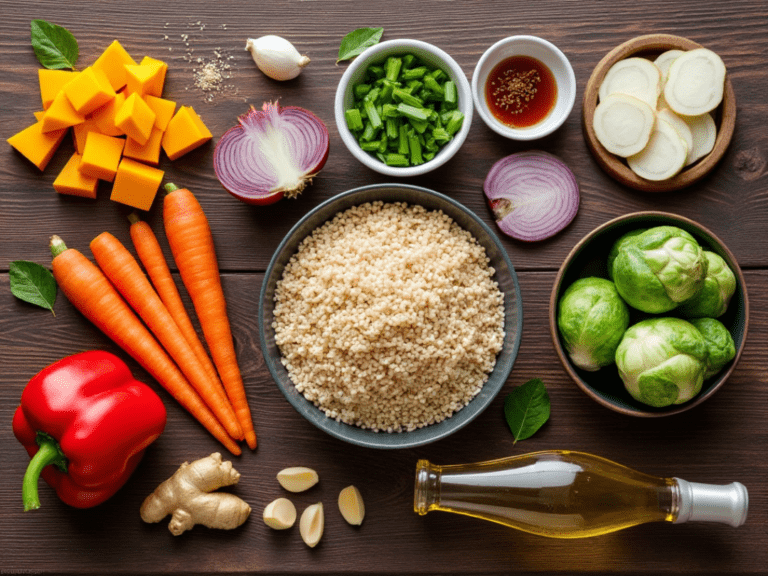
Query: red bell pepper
x,y
86,415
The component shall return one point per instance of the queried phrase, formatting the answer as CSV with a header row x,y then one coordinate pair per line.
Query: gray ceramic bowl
x,y
588,258
505,276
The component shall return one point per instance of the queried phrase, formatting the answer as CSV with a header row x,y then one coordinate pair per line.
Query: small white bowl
x,y
433,56
543,51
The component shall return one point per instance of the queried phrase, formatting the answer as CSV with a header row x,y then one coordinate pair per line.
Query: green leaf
x,y
54,46
33,283
358,40
526,409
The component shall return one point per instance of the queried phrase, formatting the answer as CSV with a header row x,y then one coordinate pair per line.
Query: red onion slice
x,y
273,152
533,195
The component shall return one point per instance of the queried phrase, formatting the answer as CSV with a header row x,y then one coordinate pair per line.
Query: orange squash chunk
x,y
155,86
162,108
37,146
72,181
101,156
135,118
61,114
51,83
136,184
149,152
112,62
184,133
104,118
89,90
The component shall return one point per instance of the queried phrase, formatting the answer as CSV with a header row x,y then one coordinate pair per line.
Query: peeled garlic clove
x,y
351,505
312,524
280,514
276,57
297,479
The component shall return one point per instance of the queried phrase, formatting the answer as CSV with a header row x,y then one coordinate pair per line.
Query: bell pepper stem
x,y
49,453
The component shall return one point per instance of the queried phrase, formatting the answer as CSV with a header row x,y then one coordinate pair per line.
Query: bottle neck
x,y
426,489
696,502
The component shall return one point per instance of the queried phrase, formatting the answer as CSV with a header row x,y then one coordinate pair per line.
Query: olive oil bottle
x,y
564,494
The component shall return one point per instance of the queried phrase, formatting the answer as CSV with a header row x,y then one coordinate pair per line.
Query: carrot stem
x,y
191,242
89,290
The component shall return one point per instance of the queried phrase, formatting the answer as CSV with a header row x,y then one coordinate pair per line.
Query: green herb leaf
x,y
54,46
33,283
358,40
526,409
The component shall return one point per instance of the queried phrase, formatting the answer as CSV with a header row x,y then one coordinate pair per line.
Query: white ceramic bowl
x,y
376,54
543,51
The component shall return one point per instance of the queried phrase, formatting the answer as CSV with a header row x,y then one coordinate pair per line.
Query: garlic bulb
x,y
276,57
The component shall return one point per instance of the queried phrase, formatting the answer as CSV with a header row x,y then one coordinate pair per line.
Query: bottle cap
x,y
712,503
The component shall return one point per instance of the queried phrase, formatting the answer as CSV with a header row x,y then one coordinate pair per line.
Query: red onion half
x,y
533,195
273,152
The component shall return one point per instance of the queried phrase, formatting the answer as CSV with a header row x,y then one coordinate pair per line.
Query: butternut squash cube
x,y
80,134
61,114
51,83
136,184
163,110
101,156
72,181
104,118
155,86
149,152
112,62
184,133
135,118
89,90
37,146
143,78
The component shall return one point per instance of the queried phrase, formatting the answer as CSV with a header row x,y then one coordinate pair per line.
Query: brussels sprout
x,y
659,268
720,345
628,237
713,298
662,361
592,318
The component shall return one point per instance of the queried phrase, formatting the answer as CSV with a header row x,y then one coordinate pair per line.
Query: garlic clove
x,y
297,478
351,505
311,524
280,514
276,57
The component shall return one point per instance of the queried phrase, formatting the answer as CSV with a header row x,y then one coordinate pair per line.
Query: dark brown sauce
x,y
520,91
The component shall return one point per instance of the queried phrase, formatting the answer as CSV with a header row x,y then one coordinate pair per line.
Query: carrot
x,y
151,256
91,293
122,269
189,236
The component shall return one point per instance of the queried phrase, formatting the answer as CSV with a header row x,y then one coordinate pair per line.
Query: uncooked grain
x,y
388,317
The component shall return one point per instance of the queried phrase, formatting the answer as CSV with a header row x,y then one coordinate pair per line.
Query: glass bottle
x,y
564,494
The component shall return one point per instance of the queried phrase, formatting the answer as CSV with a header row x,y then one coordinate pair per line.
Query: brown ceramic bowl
x,y
651,46
588,258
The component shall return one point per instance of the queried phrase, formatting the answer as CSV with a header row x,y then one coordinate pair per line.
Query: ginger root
x,y
187,496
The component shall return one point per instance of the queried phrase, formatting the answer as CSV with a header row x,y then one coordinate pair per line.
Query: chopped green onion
x,y
402,143
391,127
414,73
415,145
393,68
431,84
406,98
454,124
354,120
372,146
413,112
450,94
395,160
361,90
373,115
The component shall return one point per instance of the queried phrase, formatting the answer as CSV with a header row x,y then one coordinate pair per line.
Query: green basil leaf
x,y
358,40
33,283
527,408
54,46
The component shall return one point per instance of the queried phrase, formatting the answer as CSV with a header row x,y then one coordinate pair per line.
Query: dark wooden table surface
x,y
720,441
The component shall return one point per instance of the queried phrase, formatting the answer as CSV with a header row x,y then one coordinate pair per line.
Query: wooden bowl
x,y
652,45
589,258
